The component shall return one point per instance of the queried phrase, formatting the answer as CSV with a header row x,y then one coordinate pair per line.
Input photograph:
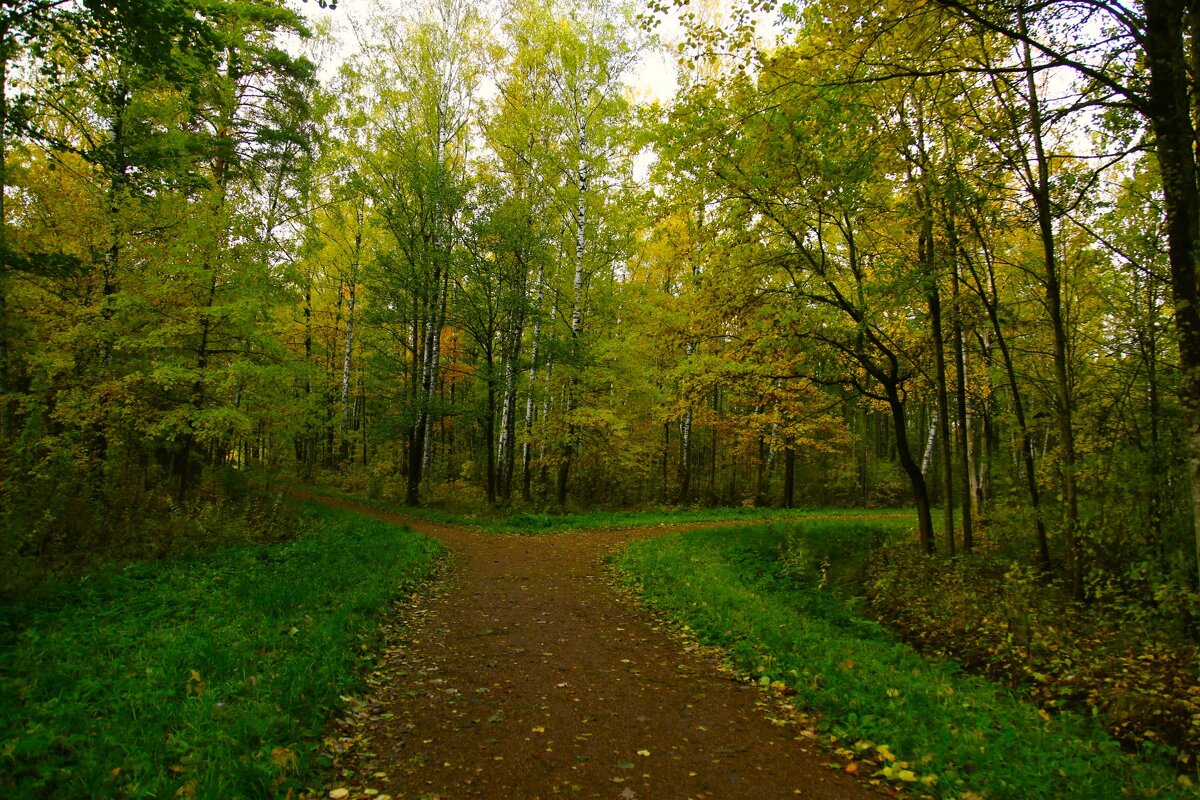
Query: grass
x,y
554,523
209,676
754,590
497,521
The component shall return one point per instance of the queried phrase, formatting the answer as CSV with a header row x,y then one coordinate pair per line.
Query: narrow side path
x,y
527,676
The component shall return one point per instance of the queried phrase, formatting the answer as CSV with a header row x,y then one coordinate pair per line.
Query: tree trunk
x,y
965,468
789,477
508,426
308,437
530,407
352,296
930,441
685,457
911,469
666,461
583,176
943,413
421,348
1169,111
989,296
6,403
1041,192
712,456
489,429
438,323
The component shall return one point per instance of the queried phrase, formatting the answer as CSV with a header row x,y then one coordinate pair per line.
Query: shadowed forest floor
x,y
526,674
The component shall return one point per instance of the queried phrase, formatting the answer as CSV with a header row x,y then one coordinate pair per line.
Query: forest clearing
x,y
599,398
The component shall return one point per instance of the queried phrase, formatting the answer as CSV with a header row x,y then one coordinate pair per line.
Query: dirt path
x,y
528,676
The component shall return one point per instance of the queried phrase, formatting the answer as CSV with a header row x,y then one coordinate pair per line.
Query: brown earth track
x,y
525,674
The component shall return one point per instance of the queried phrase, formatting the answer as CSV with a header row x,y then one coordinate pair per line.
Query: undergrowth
x,y
45,542
768,594
998,617
208,676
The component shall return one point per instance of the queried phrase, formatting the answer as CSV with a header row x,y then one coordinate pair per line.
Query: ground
x,y
526,673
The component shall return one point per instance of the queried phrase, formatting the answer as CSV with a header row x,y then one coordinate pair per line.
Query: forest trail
x,y
527,675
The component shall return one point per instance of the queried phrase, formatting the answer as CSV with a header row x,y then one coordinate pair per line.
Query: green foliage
x,y
956,732
209,675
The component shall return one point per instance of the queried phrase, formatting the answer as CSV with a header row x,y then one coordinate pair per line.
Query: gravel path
x,y
526,674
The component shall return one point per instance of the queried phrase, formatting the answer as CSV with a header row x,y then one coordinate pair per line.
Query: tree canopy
x,y
939,254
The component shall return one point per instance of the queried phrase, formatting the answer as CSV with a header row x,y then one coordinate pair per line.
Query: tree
x,y
424,72
1142,66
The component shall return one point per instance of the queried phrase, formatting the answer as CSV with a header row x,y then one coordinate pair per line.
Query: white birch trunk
x,y
507,408
346,358
929,441
580,233
350,303
972,462
434,340
548,403
533,369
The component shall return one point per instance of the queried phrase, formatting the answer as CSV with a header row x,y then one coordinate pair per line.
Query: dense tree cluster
x,y
938,253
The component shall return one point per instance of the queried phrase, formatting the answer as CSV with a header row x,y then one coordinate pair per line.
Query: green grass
x,y
554,523
498,520
753,590
212,674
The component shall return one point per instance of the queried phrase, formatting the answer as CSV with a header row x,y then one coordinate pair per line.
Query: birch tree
x,y
424,70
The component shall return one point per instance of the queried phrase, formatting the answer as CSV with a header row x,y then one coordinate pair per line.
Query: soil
x,y
525,672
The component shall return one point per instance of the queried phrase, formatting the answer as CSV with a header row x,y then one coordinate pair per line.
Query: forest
x,y
460,258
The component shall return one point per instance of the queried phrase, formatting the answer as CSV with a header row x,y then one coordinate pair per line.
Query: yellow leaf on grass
x,y
538,729
283,759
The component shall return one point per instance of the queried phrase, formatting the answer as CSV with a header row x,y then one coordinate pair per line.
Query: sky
x,y
652,78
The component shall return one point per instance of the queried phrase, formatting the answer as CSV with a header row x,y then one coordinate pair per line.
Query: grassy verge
x,y
207,677
553,523
497,521
949,734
